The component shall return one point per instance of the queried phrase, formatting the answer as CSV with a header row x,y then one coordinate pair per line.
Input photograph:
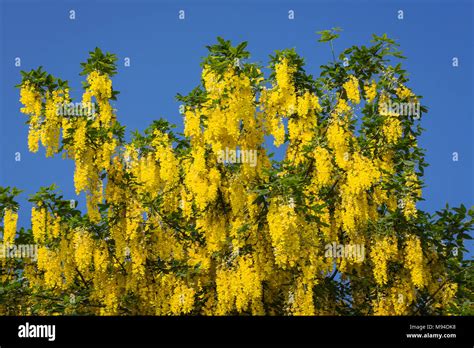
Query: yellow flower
x,y
49,261
83,250
342,107
182,301
30,97
192,123
370,91
352,89
414,260
239,288
56,227
409,207
39,223
281,100
34,133
383,250
51,127
404,92
100,85
301,300
361,174
9,226
337,138
392,129
323,166
283,229
307,103
284,75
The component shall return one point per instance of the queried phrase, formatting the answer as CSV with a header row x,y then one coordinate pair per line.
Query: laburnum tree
x,y
171,230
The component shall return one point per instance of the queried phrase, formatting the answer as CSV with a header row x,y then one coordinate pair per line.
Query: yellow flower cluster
x,y
231,103
214,229
39,223
395,300
83,250
101,258
284,81
51,128
100,86
148,173
283,228
301,126
404,92
301,300
392,129
91,158
34,134
82,157
408,203
166,158
10,220
383,250
342,108
307,105
414,261
413,183
351,86
45,128
370,91
239,289
280,101
111,299
409,208
447,294
182,301
203,183
362,173
49,262
192,123
338,138
323,167
30,97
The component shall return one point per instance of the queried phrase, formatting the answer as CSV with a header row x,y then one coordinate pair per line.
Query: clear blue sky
x,y
165,54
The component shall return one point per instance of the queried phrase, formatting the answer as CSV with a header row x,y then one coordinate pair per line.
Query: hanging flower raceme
x,y
239,288
39,222
280,101
182,301
414,261
323,167
83,250
351,86
370,91
51,128
100,85
301,127
32,101
10,220
404,92
283,228
383,250
338,141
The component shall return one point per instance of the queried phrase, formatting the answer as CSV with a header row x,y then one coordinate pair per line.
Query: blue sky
x,y
165,53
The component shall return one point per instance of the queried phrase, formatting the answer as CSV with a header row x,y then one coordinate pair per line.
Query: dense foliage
x,y
172,226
